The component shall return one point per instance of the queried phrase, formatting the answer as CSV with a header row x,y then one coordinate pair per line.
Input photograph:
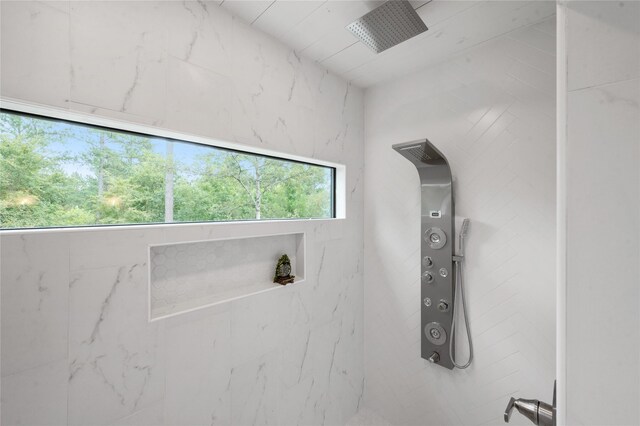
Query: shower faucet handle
x,y
509,410
540,413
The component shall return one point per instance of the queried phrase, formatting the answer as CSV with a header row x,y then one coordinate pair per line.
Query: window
x,y
57,173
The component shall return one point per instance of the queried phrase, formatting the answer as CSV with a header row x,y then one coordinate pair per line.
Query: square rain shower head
x,y
387,25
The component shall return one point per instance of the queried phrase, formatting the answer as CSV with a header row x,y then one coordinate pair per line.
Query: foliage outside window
x,y
56,173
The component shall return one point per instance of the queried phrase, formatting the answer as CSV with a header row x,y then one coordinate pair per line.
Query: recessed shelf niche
x,y
192,275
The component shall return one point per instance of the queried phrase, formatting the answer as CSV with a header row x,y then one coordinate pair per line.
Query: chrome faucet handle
x,y
540,413
509,410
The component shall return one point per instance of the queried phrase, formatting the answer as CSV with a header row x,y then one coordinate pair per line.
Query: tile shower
x,y
102,326
77,346
495,108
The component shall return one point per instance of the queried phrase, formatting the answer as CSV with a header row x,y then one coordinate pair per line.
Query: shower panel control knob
x,y
443,306
435,237
427,261
434,358
435,333
427,277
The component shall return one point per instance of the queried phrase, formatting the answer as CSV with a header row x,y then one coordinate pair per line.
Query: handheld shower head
x,y
462,235
464,228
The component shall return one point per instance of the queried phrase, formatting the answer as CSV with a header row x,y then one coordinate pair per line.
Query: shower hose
x,y
459,281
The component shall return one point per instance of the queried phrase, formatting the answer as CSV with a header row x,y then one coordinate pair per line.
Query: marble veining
x,y
115,353
34,276
77,344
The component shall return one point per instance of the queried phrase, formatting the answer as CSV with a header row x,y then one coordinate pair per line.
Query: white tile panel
x,y
332,16
466,29
115,365
604,43
438,11
534,37
330,44
317,31
47,58
502,154
599,189
247,10
349,58
602,191
282,16
36,396
35,296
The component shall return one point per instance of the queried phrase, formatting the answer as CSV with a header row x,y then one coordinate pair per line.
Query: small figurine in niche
x,y
283,271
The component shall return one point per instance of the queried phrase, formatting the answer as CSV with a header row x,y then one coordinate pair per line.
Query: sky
x,y
74,144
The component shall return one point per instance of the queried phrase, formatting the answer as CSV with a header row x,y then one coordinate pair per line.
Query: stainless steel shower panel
x,y
437,248
387,25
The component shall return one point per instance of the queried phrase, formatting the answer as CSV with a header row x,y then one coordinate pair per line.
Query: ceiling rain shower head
x,y
387,25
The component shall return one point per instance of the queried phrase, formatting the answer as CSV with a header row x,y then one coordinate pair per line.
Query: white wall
x,y
76,344
603,212
491,111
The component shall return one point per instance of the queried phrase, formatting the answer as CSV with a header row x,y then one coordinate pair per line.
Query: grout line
x,y
524,43
545,91
423,4
50,362
531,66
339,51
535,28
491,364
597,86
283,35
498,324
263,12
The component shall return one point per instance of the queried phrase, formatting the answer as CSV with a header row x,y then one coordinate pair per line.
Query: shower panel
x,y
437,250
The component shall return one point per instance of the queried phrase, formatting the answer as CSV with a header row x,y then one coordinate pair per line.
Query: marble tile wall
x,y
77,347
190,275
603,193
491,111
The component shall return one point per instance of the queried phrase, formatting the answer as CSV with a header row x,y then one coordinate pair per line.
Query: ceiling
x,y
316,29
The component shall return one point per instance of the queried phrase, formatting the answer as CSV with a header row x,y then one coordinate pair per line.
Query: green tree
x,y
33,185
200,193
306,195
264,181
128,178
105,177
